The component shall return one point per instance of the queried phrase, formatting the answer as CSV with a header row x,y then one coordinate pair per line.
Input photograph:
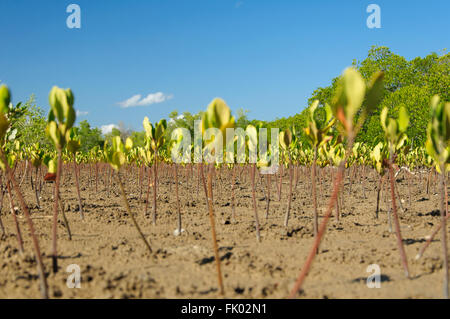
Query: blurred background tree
x,y
407,83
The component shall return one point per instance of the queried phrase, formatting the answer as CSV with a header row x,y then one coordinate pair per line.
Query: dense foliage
x,y
410,84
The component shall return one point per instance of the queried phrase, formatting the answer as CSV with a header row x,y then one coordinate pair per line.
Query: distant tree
x,y
241,118
31,125
138,138
185,120
407,83
121,130
114,132
89,137
125,131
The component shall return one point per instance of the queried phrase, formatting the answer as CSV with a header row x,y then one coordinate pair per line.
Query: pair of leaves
x,y
115,154
155,134
217,116
378,155
8,114
438,132
61,117
317,131
394,129
147,155
285,138
252,143
73,141
61,107
51,161
351,92
11,158
335,154
36,155
5,100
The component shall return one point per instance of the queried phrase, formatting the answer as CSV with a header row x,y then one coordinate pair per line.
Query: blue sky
x,y
264,56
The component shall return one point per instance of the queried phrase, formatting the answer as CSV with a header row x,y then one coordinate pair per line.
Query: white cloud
x,y
179,117
132,101
82,113
152,98
238,4
106,129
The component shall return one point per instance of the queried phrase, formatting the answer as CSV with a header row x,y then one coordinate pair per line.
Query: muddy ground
x,y
114,262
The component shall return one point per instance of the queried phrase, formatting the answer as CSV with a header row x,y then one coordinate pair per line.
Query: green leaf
x,y
252,134
118,159
375,92
71,116
218,115
403,119
52,166
56,97
70,97
54,133
5,99
354,90
402,140
148,128
128,144
328,113
383,118
4,125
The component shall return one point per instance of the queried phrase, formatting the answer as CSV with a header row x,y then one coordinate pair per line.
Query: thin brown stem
x,y
213,229
55,214
37,251
430,239
233,203
268,177
396,221
202,175
149,181
444,230
16,223
130,213
66,222
155,188
258,236
314,194
288,211
178,199
315,247
78,186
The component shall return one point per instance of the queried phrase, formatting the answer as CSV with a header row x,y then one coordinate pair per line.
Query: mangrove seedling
x,y
5,99
351,92
155,140
317,132
395,136
438,147
216,119
60,119
73,145
115,156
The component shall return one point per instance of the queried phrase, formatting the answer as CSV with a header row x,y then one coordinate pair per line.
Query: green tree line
x,y
410,84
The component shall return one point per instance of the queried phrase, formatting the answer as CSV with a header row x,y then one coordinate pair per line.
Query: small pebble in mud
x,y
57,293
178,232
239,290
